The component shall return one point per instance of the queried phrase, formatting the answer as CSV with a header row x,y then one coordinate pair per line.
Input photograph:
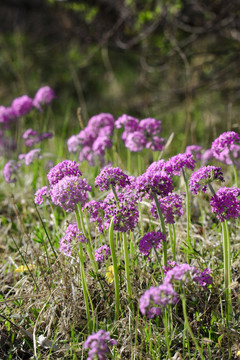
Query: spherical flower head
x,y
204,176
225,203
124,213
155,299
95,209
151,240
22,105
30,156
226,155
43,96
195,150
136,141
62,169
110,176
100,144
73,234
151,126
178,162
203,278
156,143
73,144
98,345
179,273
130,123
6,115
151,181
70,191
40,194
101,121
102,253
156,166
29,133
223,141
170,205
10,169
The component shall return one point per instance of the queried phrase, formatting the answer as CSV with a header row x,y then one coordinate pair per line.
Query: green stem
x,y
115,271
127,272
165,323
129,161
188,327
187,212
174,242
227,268
161,219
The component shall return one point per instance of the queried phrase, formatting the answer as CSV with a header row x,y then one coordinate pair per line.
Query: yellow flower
x,y
110,274
22,268
238,353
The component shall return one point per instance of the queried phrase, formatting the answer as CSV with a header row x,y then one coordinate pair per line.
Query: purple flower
x,y
225,157
102,253
22,105
225,203
151,126
29,133
151,240
30,156
158,182
100,144
9,170
224,141
170,205
73,143
195,150
135,141
178,162
43,96
96,211
6,115
203,176
98,344
124,213
130,123
179,273
110,176
155,299
170,266
206,156
156,143
40,194
69,191
99,122
156,166
62,169
203,278
72,234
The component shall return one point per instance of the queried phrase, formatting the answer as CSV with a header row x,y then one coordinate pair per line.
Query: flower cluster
x,y
92,141
225,203
155,299
44,96
62,169
110,176
170,205
224,141
70,191
232,151
138,135
102,253
32,137
10,169
40,194
178,162
195,150
151,181
72,234
151,240
203,176
98,345
30,156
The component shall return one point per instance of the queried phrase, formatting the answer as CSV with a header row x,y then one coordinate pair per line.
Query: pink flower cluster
x,y
92,142
32,137
98,345
138,135
72,233
225,203
151,240
170,205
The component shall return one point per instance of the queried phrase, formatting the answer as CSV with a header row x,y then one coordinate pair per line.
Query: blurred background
x,y
174,60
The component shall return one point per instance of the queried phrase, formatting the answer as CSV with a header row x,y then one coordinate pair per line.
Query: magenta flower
x,y
98,344
110,176
151,240
10,169
43,96
158,182
155,299
70,191
151,126
135,141
6,115
225,157
224,141
22,105
206,156
96,211
102,253
62,169
194,150
170,205
203,176
225,203
40,195
72,234
178,162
